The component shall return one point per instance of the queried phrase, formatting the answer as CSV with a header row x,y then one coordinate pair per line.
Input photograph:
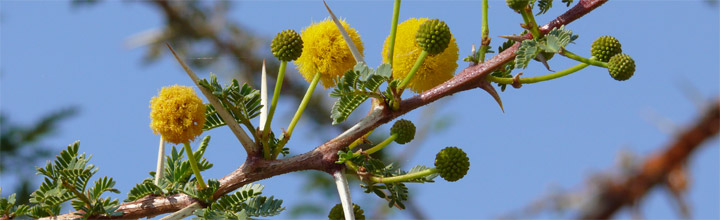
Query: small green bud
x,y
452,163
517,5
621,67
405,131
605,47
336,213
433,36
287,45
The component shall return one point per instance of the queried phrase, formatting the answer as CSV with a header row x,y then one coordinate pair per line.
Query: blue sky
x,y
555,134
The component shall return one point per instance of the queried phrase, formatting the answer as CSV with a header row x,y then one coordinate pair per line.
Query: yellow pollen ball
x,y
434,70
177,114
325,51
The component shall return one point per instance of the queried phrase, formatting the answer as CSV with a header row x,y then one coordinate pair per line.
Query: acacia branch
x,y
323,157
615,195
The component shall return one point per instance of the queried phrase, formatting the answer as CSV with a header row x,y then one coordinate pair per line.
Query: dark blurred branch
x,y
616,194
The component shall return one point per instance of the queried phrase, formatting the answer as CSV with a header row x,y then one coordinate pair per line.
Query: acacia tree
x,y
181,189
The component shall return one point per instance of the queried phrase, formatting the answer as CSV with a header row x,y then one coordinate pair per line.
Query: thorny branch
x,y
323,157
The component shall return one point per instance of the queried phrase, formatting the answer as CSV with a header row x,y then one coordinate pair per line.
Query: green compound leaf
x,y
204,195
66,180
244,102
544,6
9,209
146,188
244,203
356,86
527,51
557,39
567,2
102,185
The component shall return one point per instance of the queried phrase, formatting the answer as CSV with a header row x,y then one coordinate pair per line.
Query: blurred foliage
x,y
21,148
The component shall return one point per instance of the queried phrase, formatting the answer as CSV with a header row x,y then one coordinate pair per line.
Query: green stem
x,y
393,30
591,60
298,113
351,165
276,95
536,79
379,146
414,70
359,140
194,166
485,32
393,179
78,194
529,19
404,177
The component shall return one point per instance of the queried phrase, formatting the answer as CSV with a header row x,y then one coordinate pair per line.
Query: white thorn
x,y
160,162
355,52
263,97
344,192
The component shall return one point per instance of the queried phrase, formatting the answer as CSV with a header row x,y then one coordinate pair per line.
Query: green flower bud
x,y
452,163
621,67
605,47
517,5
405,131
336,213
433,36
287,45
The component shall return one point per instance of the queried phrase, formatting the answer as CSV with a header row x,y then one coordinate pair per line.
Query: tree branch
x,y
323,157
615,195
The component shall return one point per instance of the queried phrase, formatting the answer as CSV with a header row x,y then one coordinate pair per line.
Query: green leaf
x,y
384,70
557,39
102,185
143,189
567,2
354,87
544,6
527,51
244,102
262,206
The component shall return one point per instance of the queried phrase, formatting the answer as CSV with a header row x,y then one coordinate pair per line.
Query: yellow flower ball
x,y
326,52
434,71
177,113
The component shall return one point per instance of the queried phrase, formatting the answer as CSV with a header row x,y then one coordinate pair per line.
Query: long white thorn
x,y
263,97
355,52
344,192
160,161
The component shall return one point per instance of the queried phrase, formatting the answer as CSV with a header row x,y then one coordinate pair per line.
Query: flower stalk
x,y
298,114
393,32
592,60
193,165
537,79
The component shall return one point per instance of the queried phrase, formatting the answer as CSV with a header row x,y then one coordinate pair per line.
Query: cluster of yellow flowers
x,y
434,71
326,52
177,113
